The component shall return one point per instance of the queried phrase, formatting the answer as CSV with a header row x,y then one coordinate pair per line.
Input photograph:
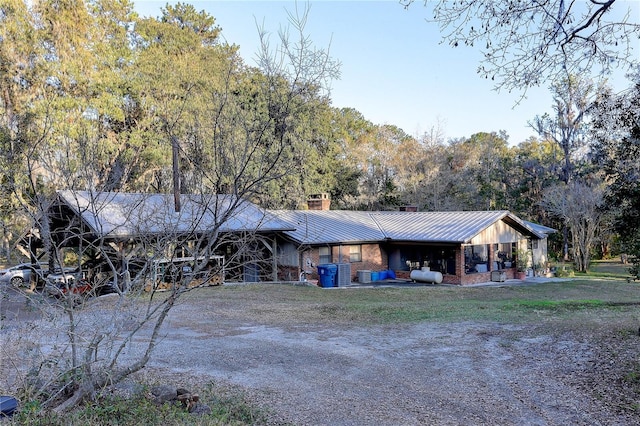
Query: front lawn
x,y
571,300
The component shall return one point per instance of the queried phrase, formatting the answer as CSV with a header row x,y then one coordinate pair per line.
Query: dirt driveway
x,y
427,373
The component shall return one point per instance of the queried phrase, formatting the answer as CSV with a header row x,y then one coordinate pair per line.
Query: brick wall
x,y
319,202
373,258
476,278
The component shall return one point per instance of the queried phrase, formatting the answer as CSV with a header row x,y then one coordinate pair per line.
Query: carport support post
x,y
533,262
274,251
460,266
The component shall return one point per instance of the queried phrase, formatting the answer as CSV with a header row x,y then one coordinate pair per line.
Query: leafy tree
x,y
180,49
525,44
355,138
572,98
346,186
567,129
25,92
162,86
475,176
384,164
121,134
411,170
537,165
616,131
430,185
492,155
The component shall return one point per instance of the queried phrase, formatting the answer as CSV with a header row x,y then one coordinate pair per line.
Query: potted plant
x,y
522,262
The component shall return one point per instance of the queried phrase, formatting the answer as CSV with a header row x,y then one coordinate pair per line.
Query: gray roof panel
x,y
450,227
331,226
541,229
118,214
341,226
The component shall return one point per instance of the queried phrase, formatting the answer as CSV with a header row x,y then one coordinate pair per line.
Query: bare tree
x,y
616,149
525,43
580,207
243,142
572,98
567,129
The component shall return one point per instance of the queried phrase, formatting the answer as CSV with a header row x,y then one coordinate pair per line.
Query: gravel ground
x,y
469,373
427,373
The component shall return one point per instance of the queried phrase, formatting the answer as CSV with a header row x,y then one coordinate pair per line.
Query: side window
x,y
324,254
355,253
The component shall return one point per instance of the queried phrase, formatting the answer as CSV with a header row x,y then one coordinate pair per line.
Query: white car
x,y
20,274
66,275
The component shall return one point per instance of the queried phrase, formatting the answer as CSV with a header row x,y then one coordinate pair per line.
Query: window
x,y
476,258
324,254
355,253
504,255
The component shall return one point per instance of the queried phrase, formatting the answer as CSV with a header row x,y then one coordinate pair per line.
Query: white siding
x,y
499,232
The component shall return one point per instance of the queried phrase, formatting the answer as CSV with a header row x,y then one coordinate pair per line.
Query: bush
x,y
139,409
565,271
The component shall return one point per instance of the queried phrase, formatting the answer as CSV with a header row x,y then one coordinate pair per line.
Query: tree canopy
x,y
95,96
526,44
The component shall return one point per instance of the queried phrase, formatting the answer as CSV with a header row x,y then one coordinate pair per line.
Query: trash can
x,y
327,274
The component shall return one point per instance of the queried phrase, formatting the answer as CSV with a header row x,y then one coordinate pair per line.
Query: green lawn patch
x,y
559,304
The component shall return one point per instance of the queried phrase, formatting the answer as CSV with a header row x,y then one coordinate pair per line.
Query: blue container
x,y
327,274
391,274
8,406
382,275
375,276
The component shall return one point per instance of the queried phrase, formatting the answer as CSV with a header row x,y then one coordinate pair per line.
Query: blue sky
x,y
394,71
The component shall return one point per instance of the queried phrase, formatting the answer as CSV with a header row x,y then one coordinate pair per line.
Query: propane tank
x,y
426,275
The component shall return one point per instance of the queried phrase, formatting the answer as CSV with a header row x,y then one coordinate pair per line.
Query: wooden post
x,y
274,252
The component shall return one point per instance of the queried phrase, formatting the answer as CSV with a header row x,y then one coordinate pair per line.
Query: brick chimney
x,y
319,202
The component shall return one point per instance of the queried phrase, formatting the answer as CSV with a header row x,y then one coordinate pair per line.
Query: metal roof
x,y
331,226
119,214
340,226
541,229
454,227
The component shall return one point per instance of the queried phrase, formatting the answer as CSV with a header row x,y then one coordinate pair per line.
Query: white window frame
x,y
355,253
324,255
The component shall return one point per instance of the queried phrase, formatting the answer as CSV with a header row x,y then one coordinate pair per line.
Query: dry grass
x,y
575,301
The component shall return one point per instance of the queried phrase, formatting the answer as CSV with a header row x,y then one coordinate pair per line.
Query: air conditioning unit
x,y
364,277
344,274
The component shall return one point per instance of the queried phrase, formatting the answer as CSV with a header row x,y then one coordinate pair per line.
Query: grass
x,y
364,306
611,269
557,305
607,269
229,410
